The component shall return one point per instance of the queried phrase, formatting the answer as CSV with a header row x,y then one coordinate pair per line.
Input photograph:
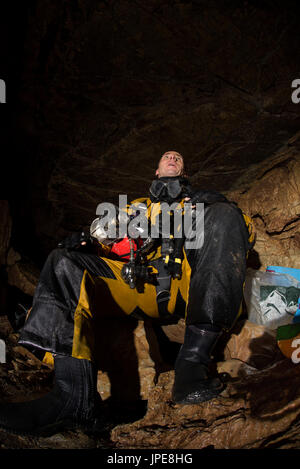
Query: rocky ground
x,y
259,408
24,377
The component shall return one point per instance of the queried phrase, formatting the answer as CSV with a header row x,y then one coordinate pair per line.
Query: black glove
x,y
75,240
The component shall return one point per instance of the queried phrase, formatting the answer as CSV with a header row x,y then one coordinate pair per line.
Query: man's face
x,y
170,164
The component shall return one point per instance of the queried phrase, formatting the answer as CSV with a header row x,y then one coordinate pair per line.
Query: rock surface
x,y
22,274
257,411
133,357
108,87
270,194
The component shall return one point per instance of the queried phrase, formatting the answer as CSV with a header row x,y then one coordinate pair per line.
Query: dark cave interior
x,y
98,90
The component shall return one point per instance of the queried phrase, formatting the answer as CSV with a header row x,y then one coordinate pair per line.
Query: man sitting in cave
x,y
78,283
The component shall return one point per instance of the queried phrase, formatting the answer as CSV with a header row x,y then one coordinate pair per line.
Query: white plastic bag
x,y
271,298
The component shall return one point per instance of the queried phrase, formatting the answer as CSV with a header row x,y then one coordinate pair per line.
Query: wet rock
x,y
105,123
258,405
22,273
252,344
133,357
257,411
270,194
5,327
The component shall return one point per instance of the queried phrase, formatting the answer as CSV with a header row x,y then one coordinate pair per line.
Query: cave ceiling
x,y
105,87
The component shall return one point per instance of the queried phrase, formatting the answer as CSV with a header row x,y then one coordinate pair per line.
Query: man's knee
x,y
223,215
60,257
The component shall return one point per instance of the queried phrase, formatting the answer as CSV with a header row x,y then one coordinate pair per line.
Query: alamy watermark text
x,y
2,91
296,93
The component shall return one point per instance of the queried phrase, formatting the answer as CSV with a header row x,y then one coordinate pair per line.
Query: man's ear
x,y
156,172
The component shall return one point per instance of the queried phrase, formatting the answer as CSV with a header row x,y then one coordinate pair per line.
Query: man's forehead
x,y
173,152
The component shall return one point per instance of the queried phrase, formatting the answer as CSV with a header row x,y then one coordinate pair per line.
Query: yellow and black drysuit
x,y
76,286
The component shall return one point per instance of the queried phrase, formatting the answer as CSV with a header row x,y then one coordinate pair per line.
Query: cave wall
x,y
106,87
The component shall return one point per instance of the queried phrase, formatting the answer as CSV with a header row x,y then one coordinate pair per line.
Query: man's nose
x,y
172,157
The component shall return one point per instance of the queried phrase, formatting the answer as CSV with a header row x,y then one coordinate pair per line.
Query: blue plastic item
x,y
284,270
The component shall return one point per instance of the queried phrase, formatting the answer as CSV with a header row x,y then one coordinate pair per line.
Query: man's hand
x,y
75,241
188,199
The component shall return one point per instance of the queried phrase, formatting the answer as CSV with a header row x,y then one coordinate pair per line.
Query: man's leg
x,y
61,321
66,284
215,293
72,402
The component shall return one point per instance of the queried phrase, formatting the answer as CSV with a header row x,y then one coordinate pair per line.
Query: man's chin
x,y
169,174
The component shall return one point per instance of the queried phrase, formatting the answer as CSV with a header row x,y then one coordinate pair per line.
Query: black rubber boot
x,y
71,404
192,383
